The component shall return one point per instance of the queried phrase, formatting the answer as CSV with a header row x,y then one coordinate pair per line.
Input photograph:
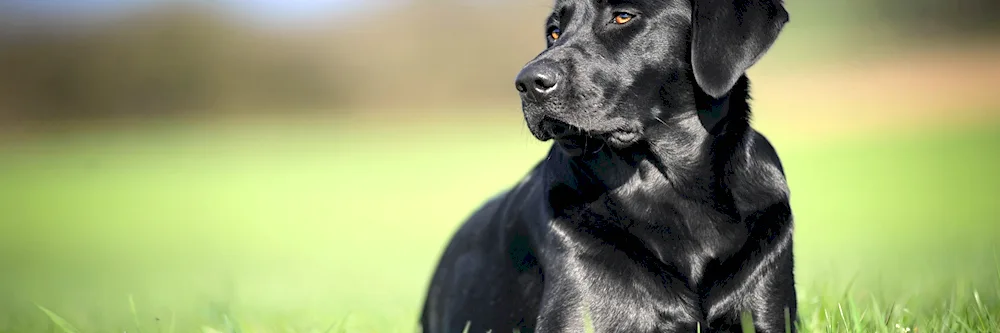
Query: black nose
x,y
537,80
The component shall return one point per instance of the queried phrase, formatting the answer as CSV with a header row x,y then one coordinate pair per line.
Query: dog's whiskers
x,y
660,120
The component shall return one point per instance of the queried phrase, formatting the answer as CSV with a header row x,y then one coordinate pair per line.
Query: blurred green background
x,y
295,163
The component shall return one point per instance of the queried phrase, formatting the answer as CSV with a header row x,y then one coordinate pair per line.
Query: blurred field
x,y
296,224
283,177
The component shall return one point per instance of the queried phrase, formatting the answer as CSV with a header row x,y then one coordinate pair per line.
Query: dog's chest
x,y
645,275
680,234
690,243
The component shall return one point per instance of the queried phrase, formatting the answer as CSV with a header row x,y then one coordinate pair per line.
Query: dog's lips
x,y
622,138
576,145
579,144
577,140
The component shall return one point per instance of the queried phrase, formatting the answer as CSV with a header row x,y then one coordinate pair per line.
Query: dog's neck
x,y
689,152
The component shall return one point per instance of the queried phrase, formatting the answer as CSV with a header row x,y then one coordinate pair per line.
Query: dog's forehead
x,y
561,5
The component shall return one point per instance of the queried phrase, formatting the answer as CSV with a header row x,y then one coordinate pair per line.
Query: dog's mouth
x,y
578,145
577,141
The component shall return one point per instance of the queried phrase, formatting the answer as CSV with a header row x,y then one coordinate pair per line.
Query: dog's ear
x,y
729,36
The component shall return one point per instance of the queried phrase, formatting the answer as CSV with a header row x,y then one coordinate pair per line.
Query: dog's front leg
x,y
602,302
773,302
562,309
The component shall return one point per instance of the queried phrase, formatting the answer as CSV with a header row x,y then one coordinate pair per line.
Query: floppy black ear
x,y
729,36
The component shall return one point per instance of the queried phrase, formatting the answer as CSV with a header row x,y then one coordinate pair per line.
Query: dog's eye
x,y
622,18
554,33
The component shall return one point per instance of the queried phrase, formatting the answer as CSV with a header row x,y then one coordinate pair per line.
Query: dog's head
x,y
613,68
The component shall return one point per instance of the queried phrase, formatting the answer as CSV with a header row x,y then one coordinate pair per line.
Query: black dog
x,y
658,209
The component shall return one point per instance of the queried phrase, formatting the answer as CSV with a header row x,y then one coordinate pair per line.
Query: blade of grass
x,y
332,325
980,310
856,319
788,321
746,320
880,323
996,264
960,320
814,322
588,322
829,320
135,314
341,325
231,326
207,329
891,310
173,321
842,317
59,321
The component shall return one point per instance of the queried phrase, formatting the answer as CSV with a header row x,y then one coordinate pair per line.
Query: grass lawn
x,y
292,228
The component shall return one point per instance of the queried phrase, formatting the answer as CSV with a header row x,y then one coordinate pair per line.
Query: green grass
x,y
329,227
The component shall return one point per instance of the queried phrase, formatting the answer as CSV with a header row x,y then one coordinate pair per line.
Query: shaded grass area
x,y
305,228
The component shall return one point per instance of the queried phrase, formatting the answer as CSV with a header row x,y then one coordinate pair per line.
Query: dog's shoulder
x,y
762,150
761,178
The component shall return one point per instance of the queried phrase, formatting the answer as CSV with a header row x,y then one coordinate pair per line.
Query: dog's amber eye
x,y
554,33
622,18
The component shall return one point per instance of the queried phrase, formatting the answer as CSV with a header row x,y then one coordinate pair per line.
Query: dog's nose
x,y
537,80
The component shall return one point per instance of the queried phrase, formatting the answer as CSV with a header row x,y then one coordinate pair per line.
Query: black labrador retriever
x,y
658,208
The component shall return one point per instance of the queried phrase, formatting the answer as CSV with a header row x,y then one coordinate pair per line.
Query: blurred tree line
x,y
961,17
166,60
189,58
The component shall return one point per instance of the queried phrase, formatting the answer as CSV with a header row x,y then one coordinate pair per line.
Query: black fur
x,y
658,209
